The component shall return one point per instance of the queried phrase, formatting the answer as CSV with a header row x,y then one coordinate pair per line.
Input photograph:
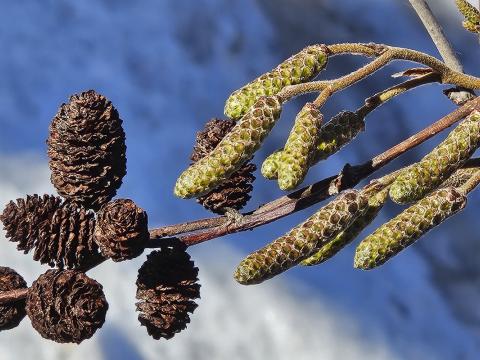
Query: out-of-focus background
x,y
168,66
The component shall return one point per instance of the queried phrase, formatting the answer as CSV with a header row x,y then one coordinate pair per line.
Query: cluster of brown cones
x,y
87,152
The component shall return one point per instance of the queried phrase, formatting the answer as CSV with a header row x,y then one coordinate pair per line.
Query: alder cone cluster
x,y
60,232
167,288
235,192
121,231
86,146
66,306
13,313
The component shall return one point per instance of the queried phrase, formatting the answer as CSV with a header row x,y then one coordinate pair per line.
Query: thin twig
x,y
12,296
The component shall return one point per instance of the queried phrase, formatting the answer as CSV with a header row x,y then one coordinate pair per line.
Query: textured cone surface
x,y
300,146
234,150
60,233
121,231
270,165
66,306
86,146
299,68
330,249
439,164
167,288
235,191
303,240
403,230
11,314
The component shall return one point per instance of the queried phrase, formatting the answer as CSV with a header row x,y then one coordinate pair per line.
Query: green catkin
x,y
439,164
303,240
237,147
270,165
334,135
469,12
298,151
330,249
472,27
299,68
407,227
459,177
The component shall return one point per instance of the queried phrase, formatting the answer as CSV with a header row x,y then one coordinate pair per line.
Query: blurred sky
x,y
168,66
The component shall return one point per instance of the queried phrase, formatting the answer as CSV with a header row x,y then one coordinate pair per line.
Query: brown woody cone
x,y
235,192
167,287
13,313
60,233
66,306
86,146
121,231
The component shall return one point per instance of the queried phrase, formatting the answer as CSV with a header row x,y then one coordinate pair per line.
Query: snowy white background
x,y
168,66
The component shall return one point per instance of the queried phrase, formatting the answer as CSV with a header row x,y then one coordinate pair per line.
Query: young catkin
x,y
270,165
330,249
470,12
299,148
299,68
407,227
232,152
303,240
439,164
334,135
460,177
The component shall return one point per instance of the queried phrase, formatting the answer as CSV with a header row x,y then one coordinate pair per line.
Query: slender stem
x,y
436,33
291,91
471,183
310,195
13,295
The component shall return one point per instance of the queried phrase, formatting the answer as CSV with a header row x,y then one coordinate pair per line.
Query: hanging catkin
x,y
303,240
236,148
299,68
439,164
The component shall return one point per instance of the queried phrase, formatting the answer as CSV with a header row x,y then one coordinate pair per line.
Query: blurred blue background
x,y
168,66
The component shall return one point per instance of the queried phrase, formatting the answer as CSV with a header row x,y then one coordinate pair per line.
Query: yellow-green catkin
x,y
439,164
297,154
330,249
299,68
270,165
303,240
460,177
237,147
407,227
334,135
471,15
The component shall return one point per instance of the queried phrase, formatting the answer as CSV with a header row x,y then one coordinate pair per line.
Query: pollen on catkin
x,y
407,227
439,164
303,240
330,249
237,147
301,67
297,154
270,165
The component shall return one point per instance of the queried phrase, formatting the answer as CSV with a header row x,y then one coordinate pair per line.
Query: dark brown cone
x,y
66,306
60,233
13,313
235,192
167,287
121,231
86,146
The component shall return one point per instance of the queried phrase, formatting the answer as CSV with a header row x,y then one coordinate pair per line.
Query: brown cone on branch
x,y
121,231
13,313
66,306
235,192
86,146
60,233
166,289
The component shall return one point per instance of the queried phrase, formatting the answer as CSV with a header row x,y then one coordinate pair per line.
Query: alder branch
x,y
307,196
